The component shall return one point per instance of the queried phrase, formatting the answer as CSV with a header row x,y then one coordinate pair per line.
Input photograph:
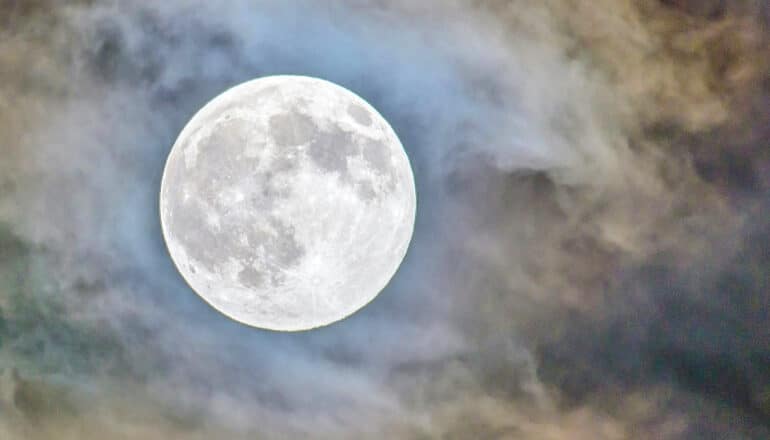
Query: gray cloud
x,y
588,260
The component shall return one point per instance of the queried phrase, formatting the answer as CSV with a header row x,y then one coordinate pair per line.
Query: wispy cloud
x,y
588,260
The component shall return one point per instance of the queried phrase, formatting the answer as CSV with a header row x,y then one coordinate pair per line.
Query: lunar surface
x,y
287,203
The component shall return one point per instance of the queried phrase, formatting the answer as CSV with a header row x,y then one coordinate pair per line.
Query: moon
x,y
287,203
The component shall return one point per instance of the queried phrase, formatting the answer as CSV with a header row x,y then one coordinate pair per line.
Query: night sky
x,y
591,258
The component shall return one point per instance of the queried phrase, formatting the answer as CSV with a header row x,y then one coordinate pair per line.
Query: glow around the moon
x,y
287,203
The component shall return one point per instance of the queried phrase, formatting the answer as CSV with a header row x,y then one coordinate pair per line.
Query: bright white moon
x,y
287,203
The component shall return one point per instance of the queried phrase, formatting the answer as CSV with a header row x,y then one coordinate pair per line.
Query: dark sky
x,y
591,258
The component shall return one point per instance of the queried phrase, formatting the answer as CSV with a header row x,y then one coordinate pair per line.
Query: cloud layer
x,y
590,253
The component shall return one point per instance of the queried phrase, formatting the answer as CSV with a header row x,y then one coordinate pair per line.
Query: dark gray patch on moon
x,y
229,138
377,155
285,249
292,129
365,190
330,150
360,114
251,277
285,161
379,158
268,190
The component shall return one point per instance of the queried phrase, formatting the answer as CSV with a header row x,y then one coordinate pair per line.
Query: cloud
x,y
587,261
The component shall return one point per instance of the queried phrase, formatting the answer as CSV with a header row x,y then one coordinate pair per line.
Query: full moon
x,y
287,203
